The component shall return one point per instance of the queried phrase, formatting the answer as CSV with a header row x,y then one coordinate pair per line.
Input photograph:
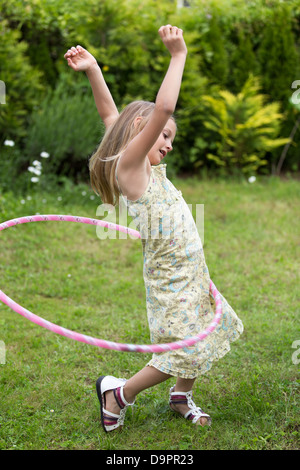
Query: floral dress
x,y
179,303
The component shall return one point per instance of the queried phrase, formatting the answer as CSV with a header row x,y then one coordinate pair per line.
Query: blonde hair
x,y
102,164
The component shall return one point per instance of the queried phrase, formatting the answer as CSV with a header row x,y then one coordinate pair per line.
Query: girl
x,y
127,163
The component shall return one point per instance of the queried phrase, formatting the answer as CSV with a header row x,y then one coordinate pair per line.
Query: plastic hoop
x,y
101,343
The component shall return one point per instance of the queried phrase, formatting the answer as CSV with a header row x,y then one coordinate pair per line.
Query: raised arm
x,y
135,155
79,59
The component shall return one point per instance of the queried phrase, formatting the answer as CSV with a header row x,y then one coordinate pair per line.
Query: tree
x,y
277,55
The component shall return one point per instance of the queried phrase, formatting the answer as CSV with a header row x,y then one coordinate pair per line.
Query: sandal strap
x,y
119,398
120,393
194,412
178,398
111,420
110,414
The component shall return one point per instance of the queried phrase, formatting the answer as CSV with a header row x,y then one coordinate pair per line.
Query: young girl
x,y
179,304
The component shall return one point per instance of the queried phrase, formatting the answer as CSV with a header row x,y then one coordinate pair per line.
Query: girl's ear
x,y
137,121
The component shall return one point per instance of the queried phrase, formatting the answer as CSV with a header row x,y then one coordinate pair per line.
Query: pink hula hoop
x,y
101,343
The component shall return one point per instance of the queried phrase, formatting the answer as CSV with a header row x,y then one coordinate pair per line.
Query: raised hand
x,y
172,37
79,59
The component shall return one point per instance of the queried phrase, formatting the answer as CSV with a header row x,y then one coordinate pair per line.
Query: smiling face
x,y
163,145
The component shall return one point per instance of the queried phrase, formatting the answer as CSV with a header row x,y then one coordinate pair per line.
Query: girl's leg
x,y
184,385
145,378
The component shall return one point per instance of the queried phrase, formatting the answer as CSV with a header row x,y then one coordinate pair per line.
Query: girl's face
x,y
163,145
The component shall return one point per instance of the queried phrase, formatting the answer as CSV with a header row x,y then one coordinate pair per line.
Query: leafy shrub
x,y
22,83
277,54
227,40
67,126
245,127
9,156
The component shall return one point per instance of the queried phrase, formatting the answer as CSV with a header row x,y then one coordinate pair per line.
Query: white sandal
x,y
109,420
194,413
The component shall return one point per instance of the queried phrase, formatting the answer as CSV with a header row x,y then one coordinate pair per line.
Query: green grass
x,y
64,273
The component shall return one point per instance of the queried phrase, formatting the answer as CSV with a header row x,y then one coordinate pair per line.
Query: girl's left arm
x,y
79,59
134,156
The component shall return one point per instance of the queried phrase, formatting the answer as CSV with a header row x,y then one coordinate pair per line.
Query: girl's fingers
x,y
73,51
176,31
172,38
169,31
165,30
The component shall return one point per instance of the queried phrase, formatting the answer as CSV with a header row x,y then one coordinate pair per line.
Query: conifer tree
x,y
216,55
277,55
243,62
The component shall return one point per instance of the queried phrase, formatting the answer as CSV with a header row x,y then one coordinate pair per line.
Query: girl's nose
x,y
169,146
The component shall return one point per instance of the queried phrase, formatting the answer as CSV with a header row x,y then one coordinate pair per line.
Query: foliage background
x,y
50,108
234,102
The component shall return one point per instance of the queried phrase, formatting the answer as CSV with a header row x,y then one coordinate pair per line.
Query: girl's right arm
x,y
134,158
79,59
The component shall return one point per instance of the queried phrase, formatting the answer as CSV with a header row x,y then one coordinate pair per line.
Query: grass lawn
x,y
66,274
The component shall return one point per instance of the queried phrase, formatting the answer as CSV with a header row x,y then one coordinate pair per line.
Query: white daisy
x,y
34,170
44,155
9,143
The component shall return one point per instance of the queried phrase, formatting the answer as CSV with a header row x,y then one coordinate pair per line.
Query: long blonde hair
x,y
102,164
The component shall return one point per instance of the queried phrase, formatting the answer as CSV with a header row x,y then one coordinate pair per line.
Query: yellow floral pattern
x,y
179,304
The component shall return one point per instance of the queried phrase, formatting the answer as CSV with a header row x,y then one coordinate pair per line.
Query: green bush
x,y
244,127
22,84
45,27
227,40
67,126
277,55
10,157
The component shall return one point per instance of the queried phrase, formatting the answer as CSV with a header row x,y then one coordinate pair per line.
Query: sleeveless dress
x,y
179,303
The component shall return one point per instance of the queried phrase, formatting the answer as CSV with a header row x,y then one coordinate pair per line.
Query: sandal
x,y
194,413
109,420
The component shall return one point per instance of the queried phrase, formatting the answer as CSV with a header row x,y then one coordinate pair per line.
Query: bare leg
x,y
184,385
144,379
